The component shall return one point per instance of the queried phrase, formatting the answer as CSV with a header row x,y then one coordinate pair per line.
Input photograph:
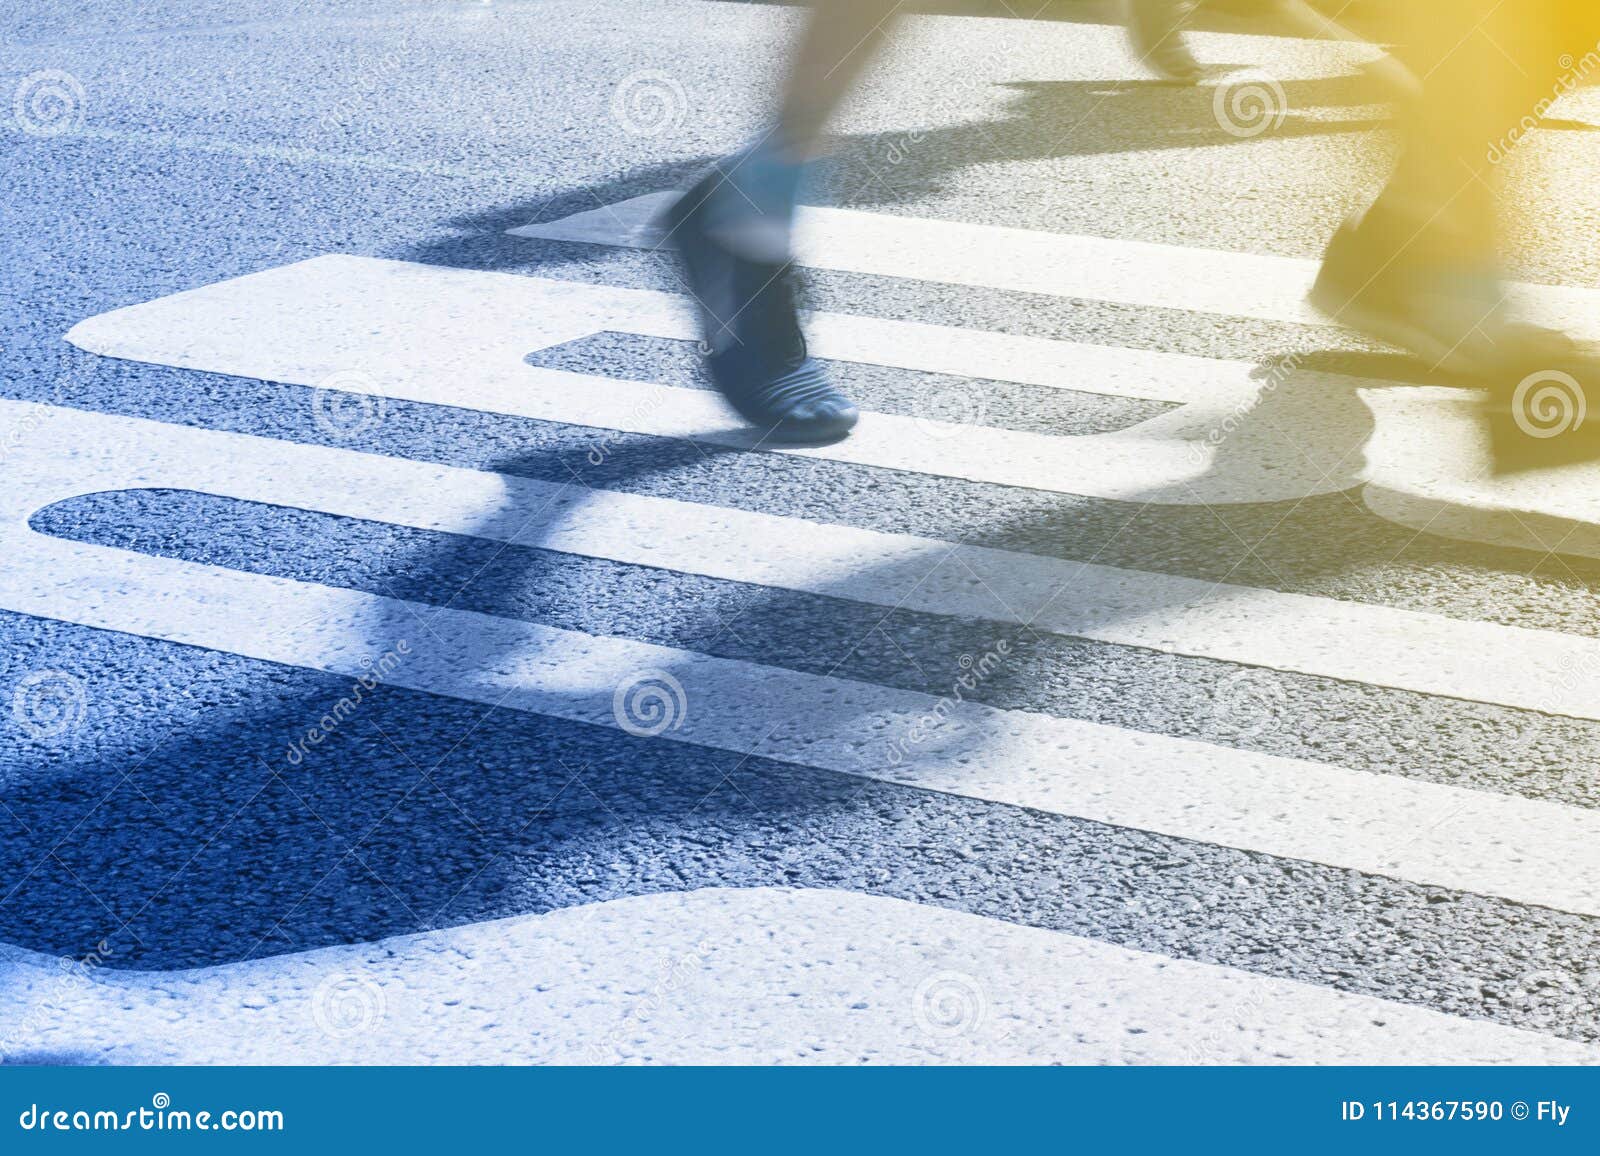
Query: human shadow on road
x,y
1046,120
421,810
235,839
427,810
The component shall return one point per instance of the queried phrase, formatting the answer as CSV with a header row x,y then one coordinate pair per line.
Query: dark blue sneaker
x,y
756,352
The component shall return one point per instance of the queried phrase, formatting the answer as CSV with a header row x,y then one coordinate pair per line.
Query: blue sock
x,y
752,210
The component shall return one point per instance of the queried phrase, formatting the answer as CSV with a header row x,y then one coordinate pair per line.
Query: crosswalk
x,y
453,337
1026,261
763,976
1196,790
834,971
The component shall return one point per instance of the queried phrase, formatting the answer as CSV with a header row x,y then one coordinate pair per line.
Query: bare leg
x,y
752,211
732,229
840,40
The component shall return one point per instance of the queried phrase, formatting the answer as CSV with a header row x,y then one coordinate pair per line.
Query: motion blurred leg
x,y
733,230
1421,268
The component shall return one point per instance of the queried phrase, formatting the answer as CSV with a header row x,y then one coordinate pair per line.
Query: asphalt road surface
x,y
404,657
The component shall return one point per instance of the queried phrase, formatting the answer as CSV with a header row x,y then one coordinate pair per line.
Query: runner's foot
x,y
1156,29
756,351
1390,282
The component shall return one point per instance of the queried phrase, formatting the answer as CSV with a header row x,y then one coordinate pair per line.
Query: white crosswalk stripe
x,y
457,337
679,978
1268,288
1372,644
1448,487
1517,848
1426,466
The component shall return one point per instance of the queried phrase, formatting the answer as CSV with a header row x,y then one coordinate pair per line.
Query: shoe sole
x,y
818,433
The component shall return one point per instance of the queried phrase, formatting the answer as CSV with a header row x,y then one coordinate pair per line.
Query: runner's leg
x,y
733,231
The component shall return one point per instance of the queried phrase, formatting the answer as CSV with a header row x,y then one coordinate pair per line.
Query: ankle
x,y
752,210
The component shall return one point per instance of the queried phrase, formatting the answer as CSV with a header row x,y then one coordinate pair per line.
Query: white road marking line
x,y
455,337
1518,848
681,978
1214,281
61,452
459,337
148,141
1327,638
